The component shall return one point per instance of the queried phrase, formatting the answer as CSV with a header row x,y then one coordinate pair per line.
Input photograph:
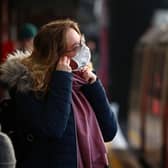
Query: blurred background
x,y
129,46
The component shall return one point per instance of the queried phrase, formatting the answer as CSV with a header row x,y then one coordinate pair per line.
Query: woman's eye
x,y
77,48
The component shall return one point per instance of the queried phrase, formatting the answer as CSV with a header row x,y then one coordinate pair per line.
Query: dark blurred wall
x,y
40,12
128,21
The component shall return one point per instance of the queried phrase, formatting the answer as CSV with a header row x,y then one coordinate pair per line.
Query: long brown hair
x,y
49,45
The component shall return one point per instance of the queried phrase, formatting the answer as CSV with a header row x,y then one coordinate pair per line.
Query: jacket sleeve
x,y
96,95
50,116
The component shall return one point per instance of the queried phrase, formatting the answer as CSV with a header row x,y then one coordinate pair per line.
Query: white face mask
x,y
82,58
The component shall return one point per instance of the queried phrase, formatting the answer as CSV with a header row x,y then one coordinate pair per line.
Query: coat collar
x,y
14,74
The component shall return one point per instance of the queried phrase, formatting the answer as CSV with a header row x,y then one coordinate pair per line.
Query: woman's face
x,y
73,45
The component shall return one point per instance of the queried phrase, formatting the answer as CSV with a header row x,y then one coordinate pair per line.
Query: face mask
x,y
82,58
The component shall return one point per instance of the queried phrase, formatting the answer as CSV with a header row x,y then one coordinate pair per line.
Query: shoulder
x,y
14,74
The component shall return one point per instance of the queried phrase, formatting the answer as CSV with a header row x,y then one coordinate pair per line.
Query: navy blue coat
x,y
46,136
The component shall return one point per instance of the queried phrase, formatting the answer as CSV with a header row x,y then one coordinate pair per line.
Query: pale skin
x,y
65,62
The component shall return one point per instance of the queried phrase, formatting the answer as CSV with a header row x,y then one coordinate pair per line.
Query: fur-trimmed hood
x,y
14,74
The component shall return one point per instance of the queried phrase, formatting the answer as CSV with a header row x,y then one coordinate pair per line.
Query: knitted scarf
x,y
91,151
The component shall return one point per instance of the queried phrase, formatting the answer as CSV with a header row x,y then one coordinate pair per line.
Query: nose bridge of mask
x,y
82,58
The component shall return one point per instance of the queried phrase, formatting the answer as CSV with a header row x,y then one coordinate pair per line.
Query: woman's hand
x,y
64,64
88,75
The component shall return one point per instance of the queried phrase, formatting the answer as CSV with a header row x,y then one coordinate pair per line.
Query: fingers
x,y
64,64
88,75
66,60
85,68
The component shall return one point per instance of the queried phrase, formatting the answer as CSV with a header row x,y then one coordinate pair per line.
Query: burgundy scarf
x,y
91,151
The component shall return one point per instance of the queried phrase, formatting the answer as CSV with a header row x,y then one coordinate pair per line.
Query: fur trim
x,y
18,54
14,74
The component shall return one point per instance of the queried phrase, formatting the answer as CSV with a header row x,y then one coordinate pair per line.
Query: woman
x,y
62,112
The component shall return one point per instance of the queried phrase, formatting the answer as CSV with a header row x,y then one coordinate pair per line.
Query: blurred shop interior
x,y
130,54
